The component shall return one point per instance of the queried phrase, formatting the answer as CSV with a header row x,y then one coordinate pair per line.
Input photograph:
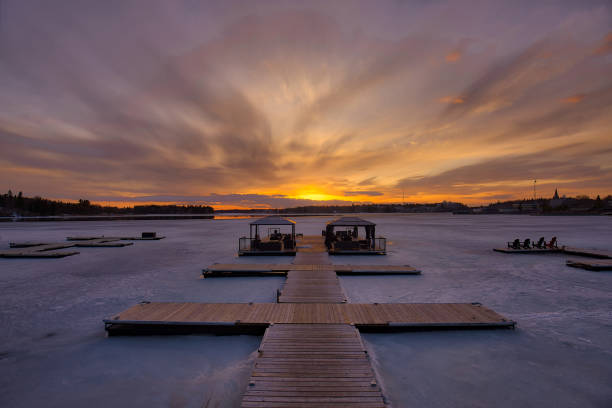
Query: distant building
x,y
556,202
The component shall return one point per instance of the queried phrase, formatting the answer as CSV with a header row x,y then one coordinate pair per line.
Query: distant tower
x,y
556,201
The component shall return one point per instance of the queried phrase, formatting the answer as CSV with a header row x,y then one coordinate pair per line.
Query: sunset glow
x,y
281,104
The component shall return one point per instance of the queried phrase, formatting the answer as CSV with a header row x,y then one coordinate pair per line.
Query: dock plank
x,y
388,315
591,265
312,365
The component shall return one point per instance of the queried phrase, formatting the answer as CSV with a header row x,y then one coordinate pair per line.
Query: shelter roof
x,y
350,222
273,220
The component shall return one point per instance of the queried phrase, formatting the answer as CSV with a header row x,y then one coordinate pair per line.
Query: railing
x,y
245,244
380,244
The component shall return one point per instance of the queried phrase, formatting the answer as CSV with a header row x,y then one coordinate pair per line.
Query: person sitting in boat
x,y
527,244
552,244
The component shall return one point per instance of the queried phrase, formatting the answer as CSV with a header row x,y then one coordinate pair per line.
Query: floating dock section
x,y
312,286
601,265
228,270
529,250
590,253
248,316
314,365
37,249
312,354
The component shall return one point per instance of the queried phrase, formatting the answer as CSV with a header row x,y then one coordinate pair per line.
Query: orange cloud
x,y
452,99
606,46
573,99
453,56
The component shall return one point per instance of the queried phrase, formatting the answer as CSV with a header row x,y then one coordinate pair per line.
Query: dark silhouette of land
x,y
12,205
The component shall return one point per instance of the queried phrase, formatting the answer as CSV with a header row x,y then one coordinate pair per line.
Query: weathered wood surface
x,y
591,265
37,250
155,238
591,253
311,244
312,286
228,270
529,251
309,365
381,314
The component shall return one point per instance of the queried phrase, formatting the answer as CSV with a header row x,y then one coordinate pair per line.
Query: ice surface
x,y
53,349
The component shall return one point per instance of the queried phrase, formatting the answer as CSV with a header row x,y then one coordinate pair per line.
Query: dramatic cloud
x,y
226,200
363,193
288,103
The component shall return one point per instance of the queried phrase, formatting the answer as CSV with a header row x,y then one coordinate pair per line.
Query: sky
x,y
262,104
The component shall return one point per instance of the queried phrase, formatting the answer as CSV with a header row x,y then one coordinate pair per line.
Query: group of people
x,y
527,244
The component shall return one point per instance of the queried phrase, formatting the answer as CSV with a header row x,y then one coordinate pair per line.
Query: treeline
x,y
357,208
16,204
581,204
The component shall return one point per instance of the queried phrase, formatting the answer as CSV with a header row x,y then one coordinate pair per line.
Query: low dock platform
x,y
590,253
312,365
38,249
228,270
529,250
600,265
249,316
312,286
144,237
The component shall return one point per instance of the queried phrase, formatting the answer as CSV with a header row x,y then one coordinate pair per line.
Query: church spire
x,y
556,196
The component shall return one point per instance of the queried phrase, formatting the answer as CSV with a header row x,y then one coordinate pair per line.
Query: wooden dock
x,y
312,365
250,315
37,249
144,237
40,250
591,265
311,354
589,253
229,270
529,250
312,286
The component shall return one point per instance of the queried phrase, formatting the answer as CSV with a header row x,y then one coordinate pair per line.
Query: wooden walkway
x,y
373,316
39,249
312,365
229,270
311,244
312,286
311,354
529,250
591,265
589,253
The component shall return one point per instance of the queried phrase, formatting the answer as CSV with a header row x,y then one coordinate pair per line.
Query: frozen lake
x,y
53,349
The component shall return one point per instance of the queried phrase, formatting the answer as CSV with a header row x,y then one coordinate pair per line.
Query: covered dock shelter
x,y
272,235
353,235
